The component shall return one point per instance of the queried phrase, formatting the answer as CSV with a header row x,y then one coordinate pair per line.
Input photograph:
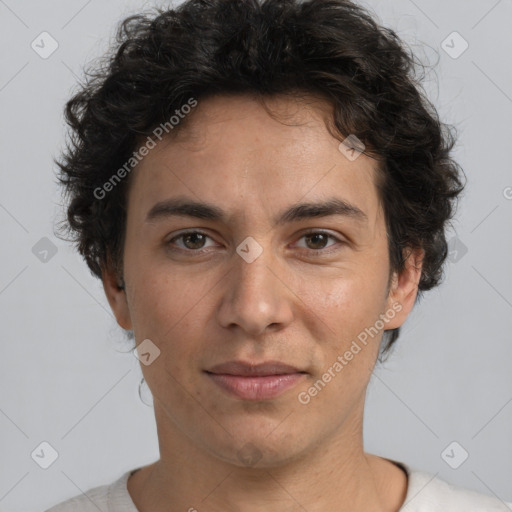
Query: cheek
x,y
173,313
350,307
351,301
160,296
171,317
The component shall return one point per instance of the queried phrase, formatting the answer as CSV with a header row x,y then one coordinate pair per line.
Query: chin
x,y
257,449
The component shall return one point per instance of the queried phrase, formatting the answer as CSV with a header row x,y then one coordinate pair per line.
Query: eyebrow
x,y
182,207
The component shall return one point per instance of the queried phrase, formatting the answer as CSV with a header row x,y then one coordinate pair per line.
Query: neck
x,y
335,476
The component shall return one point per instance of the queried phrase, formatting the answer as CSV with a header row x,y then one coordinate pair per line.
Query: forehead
x,y
243,154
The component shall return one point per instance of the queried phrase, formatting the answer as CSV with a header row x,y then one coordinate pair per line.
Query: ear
x,y
116,296
404,288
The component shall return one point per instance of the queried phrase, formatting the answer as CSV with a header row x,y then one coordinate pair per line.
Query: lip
x,y
241,368
262,381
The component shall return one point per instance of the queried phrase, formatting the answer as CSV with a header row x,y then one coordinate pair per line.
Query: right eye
x,y
193,241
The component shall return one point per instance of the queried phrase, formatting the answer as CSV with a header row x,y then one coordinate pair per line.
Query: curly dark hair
x,y
331,48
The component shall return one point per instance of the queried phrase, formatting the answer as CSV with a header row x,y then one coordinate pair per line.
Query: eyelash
x,y
314,252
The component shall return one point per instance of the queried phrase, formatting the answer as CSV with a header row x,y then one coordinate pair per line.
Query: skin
x,y
303,302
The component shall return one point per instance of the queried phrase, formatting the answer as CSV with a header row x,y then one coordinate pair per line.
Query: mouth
x,y
261,381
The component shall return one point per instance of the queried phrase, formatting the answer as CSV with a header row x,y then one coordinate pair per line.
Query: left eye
x,y
318,238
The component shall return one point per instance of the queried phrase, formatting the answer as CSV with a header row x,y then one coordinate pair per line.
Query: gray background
x,y
67,376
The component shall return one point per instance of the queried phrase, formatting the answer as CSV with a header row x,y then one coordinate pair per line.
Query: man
x,y
263,191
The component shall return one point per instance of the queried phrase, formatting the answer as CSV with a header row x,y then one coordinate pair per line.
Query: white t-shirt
x,y
425,493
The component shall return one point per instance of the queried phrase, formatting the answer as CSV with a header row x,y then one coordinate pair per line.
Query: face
x,y
255,279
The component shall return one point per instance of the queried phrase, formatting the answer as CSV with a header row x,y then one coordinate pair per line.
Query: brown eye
x,y
318,240
192,241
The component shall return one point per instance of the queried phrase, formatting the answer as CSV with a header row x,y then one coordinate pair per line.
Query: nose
x,y
256,296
